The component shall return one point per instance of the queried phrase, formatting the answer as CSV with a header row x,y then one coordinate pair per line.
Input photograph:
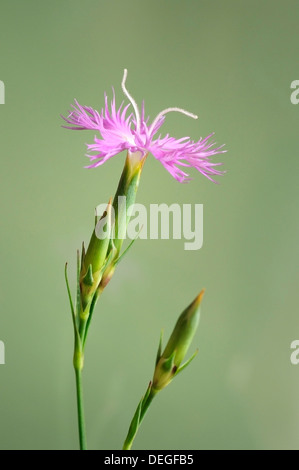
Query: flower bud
x,y
168,364
99,242
93,262
126,194
123,200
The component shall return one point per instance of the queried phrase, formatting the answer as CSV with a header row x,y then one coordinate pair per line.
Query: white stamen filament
x,y
130,98
168,110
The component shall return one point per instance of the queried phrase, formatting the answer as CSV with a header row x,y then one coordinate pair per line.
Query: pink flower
x,y
132,132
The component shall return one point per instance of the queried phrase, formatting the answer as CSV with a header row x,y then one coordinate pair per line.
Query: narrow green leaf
x,y
70,298
82,254
168,364
92,306
160,347
128,247
133,427
186,363
147,393
88,278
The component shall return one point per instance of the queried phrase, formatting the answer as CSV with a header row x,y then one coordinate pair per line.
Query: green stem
x,y
146,405
80,406
138,417
127,188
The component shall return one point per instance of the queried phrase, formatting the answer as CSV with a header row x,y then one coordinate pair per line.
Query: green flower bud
x,y
99,242
126,192
93,262
124,198
168,364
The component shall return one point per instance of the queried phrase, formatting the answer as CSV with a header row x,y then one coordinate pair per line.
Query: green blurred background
x,y
232,63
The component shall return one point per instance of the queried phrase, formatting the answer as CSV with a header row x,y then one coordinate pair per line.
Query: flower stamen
x,y
169,110
131,99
